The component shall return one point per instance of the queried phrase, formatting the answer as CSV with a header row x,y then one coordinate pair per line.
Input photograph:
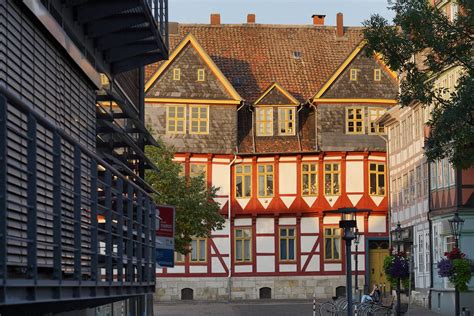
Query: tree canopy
x,y
196,212
424,43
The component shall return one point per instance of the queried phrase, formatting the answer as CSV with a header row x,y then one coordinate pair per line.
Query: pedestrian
x,y
373,297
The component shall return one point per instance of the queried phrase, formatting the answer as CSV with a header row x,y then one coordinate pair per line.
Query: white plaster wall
x,y
224,230
265,263
360,223
265,225
309,225
222,245
287,178
221,178
307,243
265,244
243,222
217,266
377,224
287,267
313,264
332,267
360,262
287,221
176,269
243,268
331,219
354,176
197,269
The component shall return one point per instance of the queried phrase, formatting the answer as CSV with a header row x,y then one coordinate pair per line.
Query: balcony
x,y
73,229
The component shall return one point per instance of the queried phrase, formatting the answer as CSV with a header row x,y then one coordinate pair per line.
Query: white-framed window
x,y
198,249
309,179
419,181
199,119
354,74
265,180
377,74
421,252
405,189
287,243
176,74
411,180
201,74
176,119
264,121
374,114
243,181
427,252
355,120
332,177
286,121
242,244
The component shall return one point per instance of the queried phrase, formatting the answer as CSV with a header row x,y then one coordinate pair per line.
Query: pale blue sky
x,y
276,11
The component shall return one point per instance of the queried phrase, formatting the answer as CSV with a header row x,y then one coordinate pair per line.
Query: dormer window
x,y
354,74
264,121
176,74
286,121
296,54
377,75
201,75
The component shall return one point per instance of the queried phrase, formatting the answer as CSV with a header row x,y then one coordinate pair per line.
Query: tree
x,y
196,212
422,44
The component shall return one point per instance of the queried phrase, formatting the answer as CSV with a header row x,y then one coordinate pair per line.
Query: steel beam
x,y
3,197
100,9
57,223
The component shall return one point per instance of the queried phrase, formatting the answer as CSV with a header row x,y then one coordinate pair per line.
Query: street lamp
x,y
356,242
348,223
398,241
456,225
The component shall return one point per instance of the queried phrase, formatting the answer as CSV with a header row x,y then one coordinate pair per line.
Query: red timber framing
x,y
279,215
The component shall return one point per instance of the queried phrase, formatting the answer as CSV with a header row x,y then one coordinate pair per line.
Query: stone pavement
x,y
252,308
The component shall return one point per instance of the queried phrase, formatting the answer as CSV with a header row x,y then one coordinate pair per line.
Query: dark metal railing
x,y
99,237
159,9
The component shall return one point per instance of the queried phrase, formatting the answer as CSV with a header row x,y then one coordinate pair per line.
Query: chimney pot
x,y
318,19
340,25
250,18
215,19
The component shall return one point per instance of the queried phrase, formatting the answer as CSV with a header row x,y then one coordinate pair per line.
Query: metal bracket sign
x,y
165,236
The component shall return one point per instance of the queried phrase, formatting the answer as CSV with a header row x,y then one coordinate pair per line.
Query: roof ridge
x,y
253,25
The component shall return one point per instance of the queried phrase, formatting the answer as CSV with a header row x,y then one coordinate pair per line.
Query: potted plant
x,y
457,268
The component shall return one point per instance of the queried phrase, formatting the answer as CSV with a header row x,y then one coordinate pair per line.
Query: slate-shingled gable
x,y
259,55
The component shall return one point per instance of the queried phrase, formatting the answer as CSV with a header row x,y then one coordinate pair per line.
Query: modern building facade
x,y
282,119
77,220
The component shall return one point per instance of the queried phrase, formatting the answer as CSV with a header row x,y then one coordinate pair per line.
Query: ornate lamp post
x,y
455,224
348,223
398,240
356,242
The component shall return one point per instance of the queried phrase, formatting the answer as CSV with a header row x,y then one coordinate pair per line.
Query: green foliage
x,y
462,274
387,268
196,212
424,32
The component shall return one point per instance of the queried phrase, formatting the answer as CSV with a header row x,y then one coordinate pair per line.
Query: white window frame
x,y
283,118
265,122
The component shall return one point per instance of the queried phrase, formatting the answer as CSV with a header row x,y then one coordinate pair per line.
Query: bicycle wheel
x,y
327,309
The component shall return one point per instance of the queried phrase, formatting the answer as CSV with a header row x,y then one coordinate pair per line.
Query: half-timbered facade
x,y
282,119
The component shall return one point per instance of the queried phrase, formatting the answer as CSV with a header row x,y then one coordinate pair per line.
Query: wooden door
x,y
378,250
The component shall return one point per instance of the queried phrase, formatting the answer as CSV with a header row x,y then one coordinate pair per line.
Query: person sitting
x,y
373,297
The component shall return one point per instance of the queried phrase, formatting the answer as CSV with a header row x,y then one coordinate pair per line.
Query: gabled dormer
x,y
191,76
360,79
275,112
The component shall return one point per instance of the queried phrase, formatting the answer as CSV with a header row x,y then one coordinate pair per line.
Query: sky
x,y
276,11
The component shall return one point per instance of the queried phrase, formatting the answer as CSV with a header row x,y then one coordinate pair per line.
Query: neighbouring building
x,y
409,186
77,221
282,119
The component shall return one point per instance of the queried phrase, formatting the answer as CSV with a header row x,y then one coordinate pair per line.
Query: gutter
x,y
229,213
315,124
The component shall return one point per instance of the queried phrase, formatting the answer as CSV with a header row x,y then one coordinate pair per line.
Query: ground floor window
x,y
332,243
243,244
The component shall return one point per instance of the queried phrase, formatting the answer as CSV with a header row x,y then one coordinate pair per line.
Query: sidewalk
x,y
253,308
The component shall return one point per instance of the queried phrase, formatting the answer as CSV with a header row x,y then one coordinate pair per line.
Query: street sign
x,y
165,236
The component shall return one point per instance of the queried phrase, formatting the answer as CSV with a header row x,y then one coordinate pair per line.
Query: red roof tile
x,y
259,55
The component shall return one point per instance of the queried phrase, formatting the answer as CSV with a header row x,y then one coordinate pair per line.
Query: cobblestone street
x,y
252,308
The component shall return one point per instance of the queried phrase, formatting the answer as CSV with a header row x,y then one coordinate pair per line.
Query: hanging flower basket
x,y
397,266
457,268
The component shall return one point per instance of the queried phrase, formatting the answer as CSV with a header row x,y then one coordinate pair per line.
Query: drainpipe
x,y
315,124
229,276
253,128
389,196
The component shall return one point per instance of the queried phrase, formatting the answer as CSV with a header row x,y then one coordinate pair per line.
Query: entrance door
x,y
378,250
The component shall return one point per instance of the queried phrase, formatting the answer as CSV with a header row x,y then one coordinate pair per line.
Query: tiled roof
x,y
254,56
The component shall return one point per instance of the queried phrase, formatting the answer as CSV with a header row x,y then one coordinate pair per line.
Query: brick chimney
x,y
318,19
215,19
340,25
251,18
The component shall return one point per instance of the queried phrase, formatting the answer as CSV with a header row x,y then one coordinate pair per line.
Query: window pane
x,y
261,168
283,250
283,232
373,189
269,168
327,246
291,249
247,169
238,169
337,249
202,250
194,112
238,186
238,250
247,186
247,232
291,232
261,185
238,232
247,249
